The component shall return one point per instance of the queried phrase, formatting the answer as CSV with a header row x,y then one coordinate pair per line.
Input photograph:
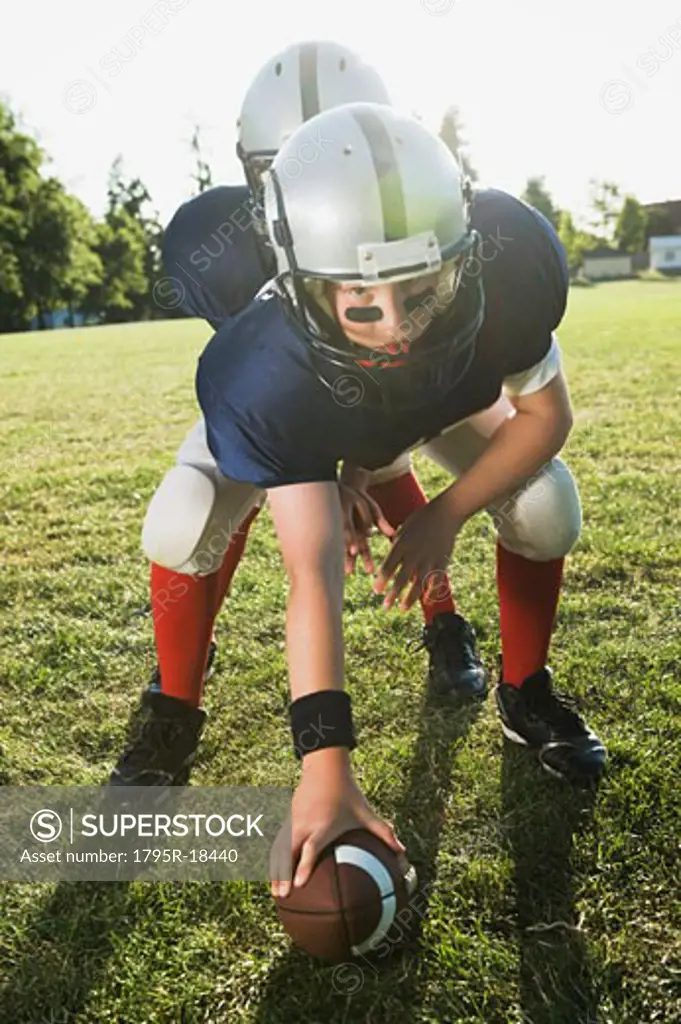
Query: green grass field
x,y
546,906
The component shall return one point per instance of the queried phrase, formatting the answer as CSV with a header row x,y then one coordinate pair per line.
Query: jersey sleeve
x,y
526,285
243,445
536,377
210,251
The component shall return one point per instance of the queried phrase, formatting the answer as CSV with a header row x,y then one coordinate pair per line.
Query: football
x,y
349,903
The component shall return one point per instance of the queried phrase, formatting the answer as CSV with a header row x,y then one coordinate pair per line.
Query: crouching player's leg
x,y
194,534
536,528
454,667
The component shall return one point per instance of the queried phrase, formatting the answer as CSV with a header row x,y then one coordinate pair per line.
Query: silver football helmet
x,y
293,86
363,195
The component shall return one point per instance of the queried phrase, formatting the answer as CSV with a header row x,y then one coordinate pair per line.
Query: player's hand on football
x,y
326,804
361,515
419,557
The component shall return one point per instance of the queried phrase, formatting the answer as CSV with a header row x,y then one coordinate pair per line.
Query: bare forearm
x,y
521,446
314,628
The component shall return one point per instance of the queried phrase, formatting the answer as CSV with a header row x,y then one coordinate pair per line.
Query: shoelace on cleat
x,y
555,707
152,739
456,641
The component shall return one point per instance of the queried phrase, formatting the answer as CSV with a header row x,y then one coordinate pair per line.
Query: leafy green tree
x,y
606,202
630,228
20,162
121,247
576,242
46,236
538,196
568,236
451,133
132,261
57,262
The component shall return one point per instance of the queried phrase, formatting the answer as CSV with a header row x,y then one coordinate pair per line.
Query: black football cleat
x,y
539,717
155,681
454,670
163,748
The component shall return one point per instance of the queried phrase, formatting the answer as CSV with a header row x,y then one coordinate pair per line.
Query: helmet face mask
x,y
256,167
386,205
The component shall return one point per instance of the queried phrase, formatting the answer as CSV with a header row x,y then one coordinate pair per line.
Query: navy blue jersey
x,y
211,247
271,421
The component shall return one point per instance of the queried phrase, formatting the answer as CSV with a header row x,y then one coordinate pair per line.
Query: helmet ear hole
x,y
342,64
278,68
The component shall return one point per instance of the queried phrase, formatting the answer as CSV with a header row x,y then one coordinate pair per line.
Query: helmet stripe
x,y
384,157
309,83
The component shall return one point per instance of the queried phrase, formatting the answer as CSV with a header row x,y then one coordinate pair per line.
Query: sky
x,y
590,89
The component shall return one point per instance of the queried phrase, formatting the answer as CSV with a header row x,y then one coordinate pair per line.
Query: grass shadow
x,y
297,988
541,817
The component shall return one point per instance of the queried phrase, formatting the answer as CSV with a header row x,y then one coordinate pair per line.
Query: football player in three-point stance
x,y
443,304
216,248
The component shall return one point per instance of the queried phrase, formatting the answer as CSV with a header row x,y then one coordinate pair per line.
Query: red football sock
x,y
399,498
225,574
184,610
528,599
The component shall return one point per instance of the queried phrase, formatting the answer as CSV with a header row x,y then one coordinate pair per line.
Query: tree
x,y
203,175
659,221
537,195
20,162
121,247
568,236
451,133
129,211
630,229
84,267
56,259
576,242
46,236
605,201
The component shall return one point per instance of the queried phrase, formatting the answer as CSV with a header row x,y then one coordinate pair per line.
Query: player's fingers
x,y
401,580
390,563
379,519
386,832
306,863
350,558
281,862
360,517
365,554
413,594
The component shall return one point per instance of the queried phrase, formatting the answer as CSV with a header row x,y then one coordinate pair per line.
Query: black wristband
x,y
320,720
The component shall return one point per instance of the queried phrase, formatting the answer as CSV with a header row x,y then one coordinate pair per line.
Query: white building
x,y
665,253
607,264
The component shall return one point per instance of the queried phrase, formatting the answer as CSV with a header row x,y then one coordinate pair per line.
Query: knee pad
x,y
543,520
177,518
